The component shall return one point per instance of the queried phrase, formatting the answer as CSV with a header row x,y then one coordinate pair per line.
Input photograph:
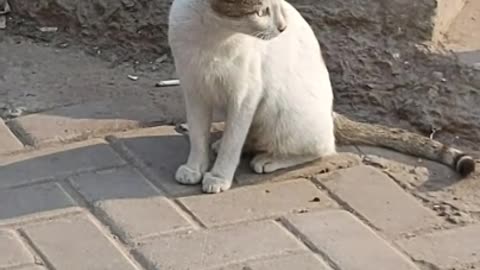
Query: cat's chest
x,y
220,78
214,69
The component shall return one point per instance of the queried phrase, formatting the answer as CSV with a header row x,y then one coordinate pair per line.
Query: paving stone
x,y
347,242
161,150
463,37
446,12
436,175
77,244
31,267
8,142
13,252
56,162
130,202
446,249
434,182
379,199
89,120
215,248
303,261
257,201
33,201
342,160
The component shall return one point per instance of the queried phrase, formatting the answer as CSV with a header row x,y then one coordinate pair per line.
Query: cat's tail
x,y
352,132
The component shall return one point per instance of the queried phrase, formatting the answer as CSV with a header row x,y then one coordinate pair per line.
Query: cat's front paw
x,y
188,176
214,184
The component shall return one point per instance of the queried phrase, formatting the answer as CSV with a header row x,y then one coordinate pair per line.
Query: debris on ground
x,y
9,111
167,83
161,59
4,10
133,77
3,22
48,29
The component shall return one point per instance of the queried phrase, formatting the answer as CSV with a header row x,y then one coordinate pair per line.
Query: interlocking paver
x,y
379,199
8,142
77,244
33,201
347,242
438,173
303,261
89,119
165,238
214,248
12,251
56,162
31,267
446,249
161,150
257,201
343,160
130,202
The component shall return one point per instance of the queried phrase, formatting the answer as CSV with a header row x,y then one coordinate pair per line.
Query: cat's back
x,y
298,40
295,52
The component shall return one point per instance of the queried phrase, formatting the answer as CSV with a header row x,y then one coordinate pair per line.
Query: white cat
x,y
260,61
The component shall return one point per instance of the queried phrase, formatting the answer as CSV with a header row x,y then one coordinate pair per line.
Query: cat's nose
x,y
282,27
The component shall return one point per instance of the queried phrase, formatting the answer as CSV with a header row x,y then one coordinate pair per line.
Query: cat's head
x,y
264,19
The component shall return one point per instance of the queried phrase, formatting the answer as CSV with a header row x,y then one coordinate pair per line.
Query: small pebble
x,y
453,219
161,59
128,3
183,127
12,112
3,22
302,211
64,45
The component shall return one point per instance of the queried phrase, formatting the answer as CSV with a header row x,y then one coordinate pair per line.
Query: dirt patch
x,y
121,30
380,70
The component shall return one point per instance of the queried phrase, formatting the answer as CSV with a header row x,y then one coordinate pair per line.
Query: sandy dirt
x,y
382,68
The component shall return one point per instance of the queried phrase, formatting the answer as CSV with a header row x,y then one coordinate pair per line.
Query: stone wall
x,y
143,23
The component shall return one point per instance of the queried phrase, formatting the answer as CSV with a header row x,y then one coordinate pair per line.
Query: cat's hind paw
x,y
214,184
188,176
266,163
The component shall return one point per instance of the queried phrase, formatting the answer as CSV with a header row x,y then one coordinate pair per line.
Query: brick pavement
x,y
113,204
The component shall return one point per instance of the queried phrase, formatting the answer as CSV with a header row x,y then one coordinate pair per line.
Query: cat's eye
x,y
264,12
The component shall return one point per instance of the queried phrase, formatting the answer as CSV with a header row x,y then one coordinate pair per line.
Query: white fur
x,y
277,87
